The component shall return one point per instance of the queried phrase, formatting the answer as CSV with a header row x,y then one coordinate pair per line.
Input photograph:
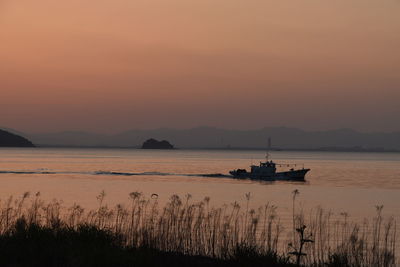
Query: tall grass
x,y
227,232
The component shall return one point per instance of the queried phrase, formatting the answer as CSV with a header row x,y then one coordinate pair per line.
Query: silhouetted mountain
x,y
10,130
208,137
155,144
8,139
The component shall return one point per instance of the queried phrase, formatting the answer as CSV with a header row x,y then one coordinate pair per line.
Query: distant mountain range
x,y
209,137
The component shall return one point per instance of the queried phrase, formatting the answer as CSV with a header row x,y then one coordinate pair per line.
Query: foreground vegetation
x,y
183,233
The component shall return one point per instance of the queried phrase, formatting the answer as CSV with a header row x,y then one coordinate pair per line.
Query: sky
x,y
112,65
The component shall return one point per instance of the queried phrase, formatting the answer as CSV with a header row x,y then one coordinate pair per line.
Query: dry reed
x,y
199,228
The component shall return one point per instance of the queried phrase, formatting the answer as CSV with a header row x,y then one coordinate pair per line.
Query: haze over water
x,y
112,66
99,73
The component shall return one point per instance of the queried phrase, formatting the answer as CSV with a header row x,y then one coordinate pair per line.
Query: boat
x,y
267,171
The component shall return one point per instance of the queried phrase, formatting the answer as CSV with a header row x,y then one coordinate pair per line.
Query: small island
x,y
155,144
8,139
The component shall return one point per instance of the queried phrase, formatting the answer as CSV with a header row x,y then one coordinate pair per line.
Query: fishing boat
x,y
268,171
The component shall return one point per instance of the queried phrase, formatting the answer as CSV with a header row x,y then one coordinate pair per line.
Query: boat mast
x,y
268,148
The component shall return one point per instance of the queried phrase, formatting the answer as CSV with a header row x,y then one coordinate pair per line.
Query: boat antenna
x,y
268,148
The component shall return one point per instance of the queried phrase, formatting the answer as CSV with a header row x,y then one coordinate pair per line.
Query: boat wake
x,y
161,174
27,172
217,175
115,173
131,173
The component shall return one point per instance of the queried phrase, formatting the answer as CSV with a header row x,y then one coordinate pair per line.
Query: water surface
x,y
340,181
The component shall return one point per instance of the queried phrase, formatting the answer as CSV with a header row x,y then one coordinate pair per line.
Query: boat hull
x,y
292,175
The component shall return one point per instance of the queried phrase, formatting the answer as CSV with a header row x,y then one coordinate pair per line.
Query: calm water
x,y
351,182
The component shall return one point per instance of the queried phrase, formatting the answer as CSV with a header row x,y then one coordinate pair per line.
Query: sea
x,y
341,182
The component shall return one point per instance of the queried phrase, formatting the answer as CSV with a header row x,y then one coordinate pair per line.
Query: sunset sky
x,y
113,65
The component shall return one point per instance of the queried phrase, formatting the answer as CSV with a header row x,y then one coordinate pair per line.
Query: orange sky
x,y
112,65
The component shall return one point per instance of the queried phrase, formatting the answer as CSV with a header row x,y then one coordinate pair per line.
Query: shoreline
x,y
344,150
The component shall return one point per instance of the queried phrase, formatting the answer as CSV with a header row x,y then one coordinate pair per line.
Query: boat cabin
x,y
265,168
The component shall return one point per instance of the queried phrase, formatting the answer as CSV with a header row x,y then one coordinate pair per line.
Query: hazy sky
x,y
112,65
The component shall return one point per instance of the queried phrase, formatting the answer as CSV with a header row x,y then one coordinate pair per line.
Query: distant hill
x,y
155,144
8,139
209,137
